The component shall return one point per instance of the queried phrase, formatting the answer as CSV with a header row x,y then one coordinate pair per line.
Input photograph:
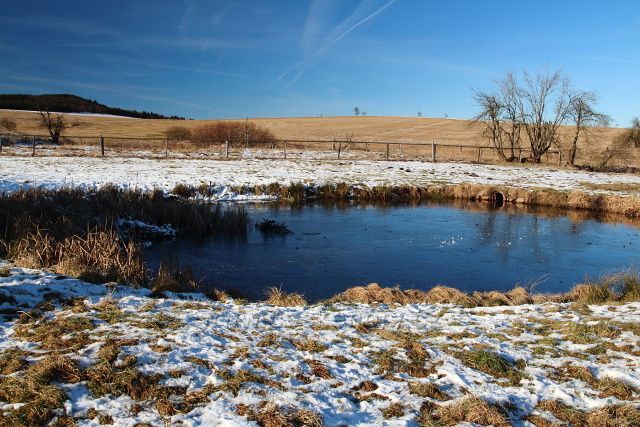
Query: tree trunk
x,y
574,149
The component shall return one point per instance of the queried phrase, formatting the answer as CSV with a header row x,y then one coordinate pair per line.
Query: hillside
x,y
65,103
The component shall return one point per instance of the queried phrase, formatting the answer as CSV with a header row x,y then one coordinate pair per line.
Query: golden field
x,y
369,128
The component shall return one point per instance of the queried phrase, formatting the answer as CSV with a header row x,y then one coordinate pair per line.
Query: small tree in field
x,y
490,117
356,111
584,116
545,105
55,124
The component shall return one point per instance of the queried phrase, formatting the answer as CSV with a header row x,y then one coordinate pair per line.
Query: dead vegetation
x,y
606,387
625,415
269,414
468,409
75,233
619,287
491,363
277,297
173,277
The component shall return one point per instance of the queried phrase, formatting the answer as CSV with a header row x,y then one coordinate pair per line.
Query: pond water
x,y
470,246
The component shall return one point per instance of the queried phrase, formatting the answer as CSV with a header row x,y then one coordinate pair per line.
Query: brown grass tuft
x,y
56,333
394,410
469,409
172,277
275,296
429,390
269,414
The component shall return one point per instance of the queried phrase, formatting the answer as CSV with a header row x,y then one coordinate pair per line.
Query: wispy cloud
x,y
317,46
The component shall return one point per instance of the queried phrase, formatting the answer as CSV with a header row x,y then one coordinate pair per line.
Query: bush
x,y
234,132
8,124
178,133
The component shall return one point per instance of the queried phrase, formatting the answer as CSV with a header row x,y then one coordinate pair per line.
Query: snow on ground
x,y
347,363
54,172
70,114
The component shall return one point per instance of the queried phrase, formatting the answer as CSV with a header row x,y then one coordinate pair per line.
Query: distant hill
x,y
64,103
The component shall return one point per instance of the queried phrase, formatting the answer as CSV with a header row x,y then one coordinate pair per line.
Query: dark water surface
x,y
470,246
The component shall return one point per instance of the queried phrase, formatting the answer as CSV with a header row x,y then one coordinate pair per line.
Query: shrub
x,y
178,133
8,124
233,132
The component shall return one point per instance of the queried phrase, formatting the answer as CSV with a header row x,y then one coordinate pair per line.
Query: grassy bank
x,y
628,206
96,234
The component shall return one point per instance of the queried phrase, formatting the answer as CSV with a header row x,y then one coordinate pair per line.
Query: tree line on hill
x,y
65,103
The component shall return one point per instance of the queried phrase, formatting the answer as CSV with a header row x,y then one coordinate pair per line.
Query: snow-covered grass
x,y
55,172
131,358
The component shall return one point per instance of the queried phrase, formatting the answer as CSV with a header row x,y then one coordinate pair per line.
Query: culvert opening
x,y
497,199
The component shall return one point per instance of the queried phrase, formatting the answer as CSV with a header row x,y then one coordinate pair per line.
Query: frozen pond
x,y
470,246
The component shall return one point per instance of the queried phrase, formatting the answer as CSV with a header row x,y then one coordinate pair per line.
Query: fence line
x,y
22,144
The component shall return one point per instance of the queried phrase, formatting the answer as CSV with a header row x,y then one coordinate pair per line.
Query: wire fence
x,y
105,146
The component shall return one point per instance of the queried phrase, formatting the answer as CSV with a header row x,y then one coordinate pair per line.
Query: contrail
x,y
354,26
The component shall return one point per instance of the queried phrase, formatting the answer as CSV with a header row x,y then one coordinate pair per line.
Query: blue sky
x,y
207,59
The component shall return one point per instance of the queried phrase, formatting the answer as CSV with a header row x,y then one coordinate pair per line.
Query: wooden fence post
x,y
102,145
226,149
387,151
479,152
0,145
339,149
285,149
433,151
166,148
33,141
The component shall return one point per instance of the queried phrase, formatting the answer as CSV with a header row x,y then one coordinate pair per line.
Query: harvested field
x,y
372,128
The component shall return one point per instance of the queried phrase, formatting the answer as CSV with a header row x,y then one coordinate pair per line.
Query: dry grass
x,y
429,390
626,187
469,409
11,361
172,277
269,414
618,287
375,294
608,387
39,399
394,410
98,257
277,297
492,364
58,333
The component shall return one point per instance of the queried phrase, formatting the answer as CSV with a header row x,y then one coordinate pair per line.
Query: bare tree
x,y
55,124
356,111
419,113
584,116
617,150
512,123
632,135
489,118
544,107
